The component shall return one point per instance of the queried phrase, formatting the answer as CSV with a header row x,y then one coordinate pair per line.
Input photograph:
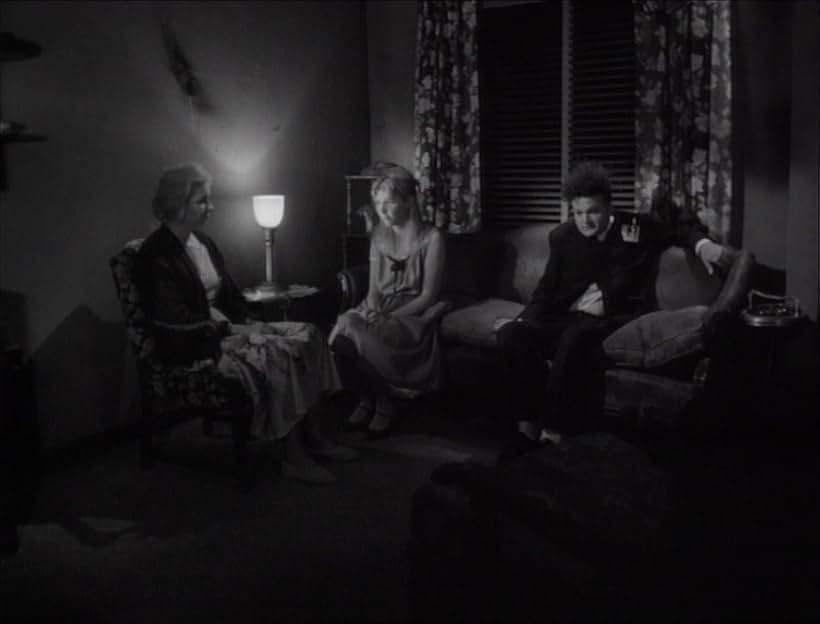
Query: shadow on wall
x,y
19,437
13,327
85,378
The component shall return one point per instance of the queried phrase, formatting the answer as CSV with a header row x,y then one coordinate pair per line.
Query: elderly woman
x,y
388,344
199,312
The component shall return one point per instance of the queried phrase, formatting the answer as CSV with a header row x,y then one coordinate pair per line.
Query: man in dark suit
x,y
594,282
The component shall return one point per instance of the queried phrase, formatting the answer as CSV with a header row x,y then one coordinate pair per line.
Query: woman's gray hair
x,y
174,188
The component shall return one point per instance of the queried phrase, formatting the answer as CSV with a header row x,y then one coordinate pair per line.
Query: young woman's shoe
x,y
358,420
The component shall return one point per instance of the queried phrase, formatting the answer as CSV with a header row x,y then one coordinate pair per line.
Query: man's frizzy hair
x,y
588,179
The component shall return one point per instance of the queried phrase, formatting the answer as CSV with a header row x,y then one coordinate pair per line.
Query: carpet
x,y
109,542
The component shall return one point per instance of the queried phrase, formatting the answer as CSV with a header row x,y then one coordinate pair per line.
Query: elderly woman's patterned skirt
x,y
286,370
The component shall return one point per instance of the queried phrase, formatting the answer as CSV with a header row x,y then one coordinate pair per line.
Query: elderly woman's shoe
x,y
308,473
382,425
335,453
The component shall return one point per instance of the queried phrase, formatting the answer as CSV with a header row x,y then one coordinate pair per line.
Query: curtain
x,y
446,119
683,121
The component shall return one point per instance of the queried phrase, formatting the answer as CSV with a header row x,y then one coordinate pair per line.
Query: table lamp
x,y
268,211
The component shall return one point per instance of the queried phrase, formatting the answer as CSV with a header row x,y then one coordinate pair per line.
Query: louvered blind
x,y
602,91
521,64
520,56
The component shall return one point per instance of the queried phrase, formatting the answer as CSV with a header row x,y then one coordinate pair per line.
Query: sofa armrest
x,y
733,294
353,282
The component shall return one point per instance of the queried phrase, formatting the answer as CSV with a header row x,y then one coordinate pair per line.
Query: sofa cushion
x,y
473,324
657,338
465,252
525,251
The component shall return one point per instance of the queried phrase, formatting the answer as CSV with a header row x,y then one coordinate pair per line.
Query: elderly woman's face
x,y
198,207
390,208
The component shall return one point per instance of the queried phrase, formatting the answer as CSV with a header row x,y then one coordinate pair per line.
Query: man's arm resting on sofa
x,y
732,296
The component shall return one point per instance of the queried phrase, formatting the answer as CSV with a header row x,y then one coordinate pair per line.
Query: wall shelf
x,y
23,138
355,239
15,49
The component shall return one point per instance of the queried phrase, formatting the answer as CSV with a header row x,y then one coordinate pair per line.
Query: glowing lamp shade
x,y
268,210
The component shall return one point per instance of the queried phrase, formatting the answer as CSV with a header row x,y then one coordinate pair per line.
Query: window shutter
x,y
520,64
602,82
522,154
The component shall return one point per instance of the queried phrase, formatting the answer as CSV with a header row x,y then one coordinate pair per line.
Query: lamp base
x,y
271,288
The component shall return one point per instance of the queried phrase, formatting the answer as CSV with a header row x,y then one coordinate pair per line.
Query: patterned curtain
x,y
446,126
684,108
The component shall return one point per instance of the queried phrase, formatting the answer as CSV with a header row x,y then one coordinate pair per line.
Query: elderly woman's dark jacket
x,y
175,300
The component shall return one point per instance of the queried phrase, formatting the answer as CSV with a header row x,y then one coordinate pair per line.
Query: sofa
x,y
658,362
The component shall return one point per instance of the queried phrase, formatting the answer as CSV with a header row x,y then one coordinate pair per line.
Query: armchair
x,y
172,394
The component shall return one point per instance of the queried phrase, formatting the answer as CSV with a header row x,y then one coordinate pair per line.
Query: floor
x,y
110,542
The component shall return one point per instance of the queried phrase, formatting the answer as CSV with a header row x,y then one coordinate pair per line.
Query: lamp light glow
x,y
268,210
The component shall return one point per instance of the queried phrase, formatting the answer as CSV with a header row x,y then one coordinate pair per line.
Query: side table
x,y
771,315
275,306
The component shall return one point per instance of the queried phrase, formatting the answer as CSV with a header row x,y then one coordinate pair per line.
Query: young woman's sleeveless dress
x,y
403,350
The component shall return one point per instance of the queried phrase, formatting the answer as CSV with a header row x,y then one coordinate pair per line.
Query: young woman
x,y
388,344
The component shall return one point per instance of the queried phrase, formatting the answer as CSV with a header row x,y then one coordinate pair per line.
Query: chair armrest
x,y
184,343
353,283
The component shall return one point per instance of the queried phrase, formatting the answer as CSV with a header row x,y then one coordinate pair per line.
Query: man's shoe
x,y
519,445
454,472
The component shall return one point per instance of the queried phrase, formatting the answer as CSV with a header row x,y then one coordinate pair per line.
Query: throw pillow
x,y
473,324
657,338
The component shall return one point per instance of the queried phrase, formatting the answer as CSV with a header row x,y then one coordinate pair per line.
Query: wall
x,y
762,100
391,47
802,257
288,85
776,128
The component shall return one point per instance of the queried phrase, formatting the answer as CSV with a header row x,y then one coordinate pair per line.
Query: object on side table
x,y
765,310
280,300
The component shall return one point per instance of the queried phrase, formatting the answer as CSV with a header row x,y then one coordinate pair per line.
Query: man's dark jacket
x,y
621,269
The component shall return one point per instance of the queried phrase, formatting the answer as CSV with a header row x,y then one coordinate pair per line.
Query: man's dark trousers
x,y
562,396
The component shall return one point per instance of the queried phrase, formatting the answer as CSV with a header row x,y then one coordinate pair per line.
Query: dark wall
x,y
391,47
288,87
802,255
762,109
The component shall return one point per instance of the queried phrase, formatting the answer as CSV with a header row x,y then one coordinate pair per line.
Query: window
x,y
547,105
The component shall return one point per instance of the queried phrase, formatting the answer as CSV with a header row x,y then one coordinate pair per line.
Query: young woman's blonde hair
x,y
401,185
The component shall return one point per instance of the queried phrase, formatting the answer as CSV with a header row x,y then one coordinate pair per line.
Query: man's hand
x,y
713,255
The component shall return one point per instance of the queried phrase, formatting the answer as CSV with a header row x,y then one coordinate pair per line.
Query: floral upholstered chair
x,y
172,394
